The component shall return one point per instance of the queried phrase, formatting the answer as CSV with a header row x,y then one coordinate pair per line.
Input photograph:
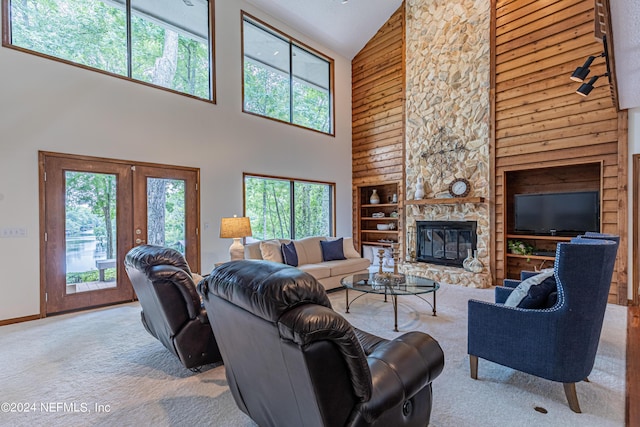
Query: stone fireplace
x,y
447,131
445,242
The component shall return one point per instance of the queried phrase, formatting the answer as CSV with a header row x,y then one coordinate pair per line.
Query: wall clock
x,y
459,187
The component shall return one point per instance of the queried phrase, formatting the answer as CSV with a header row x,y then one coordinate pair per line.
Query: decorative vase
x,y
475,266
374,199
394,198
419,194
467,260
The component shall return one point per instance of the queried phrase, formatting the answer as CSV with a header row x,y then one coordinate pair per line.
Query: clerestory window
x,y
163,43
285,208
285,80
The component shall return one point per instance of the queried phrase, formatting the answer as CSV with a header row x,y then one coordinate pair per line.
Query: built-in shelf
x,y
385,218
549,258
445,201
534,237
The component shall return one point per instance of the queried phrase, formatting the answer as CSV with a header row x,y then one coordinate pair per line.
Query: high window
x,y
164,43
283,208
285,80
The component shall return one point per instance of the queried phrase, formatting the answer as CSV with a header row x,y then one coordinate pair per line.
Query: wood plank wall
x,y
540,120
378,110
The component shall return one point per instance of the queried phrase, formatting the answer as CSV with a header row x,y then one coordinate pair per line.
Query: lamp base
x,y
236,250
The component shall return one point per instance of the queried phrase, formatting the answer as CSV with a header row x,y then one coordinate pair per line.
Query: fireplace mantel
x,y
445,201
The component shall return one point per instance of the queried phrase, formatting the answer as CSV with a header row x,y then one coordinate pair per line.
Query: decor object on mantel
x,y
374,199
459,187
235,228
419,194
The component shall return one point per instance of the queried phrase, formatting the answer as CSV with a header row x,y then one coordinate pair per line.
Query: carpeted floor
x,y
101,368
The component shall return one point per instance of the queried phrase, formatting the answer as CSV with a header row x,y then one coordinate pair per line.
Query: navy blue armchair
x,y
557,343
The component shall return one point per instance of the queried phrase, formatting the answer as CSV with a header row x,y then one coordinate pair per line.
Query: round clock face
x,y
459,187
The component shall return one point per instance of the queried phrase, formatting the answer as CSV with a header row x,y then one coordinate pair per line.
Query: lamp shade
x,y
236,227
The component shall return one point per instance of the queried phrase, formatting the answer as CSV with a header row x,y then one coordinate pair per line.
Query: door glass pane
x,y
90,230
166,213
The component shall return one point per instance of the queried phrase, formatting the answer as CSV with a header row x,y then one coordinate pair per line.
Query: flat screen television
x,y
570,213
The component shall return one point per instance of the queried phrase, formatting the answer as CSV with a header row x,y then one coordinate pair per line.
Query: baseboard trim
x,y
19,319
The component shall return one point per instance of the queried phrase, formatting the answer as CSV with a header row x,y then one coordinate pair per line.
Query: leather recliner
x,y
172,310
291,360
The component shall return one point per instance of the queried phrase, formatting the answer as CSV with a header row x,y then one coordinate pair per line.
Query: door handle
x,y
139,241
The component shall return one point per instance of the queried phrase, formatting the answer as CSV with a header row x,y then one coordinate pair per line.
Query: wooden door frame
x,y
42,155
635,229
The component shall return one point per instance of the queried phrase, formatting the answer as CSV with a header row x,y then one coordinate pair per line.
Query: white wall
x,y
634,148
50,106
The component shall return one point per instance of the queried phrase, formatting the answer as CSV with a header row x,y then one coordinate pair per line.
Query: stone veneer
x,y
447,105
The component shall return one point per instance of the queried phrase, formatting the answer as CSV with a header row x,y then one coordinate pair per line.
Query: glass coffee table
x,y
392,285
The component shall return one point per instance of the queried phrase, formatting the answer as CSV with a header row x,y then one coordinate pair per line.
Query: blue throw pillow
x,y
289,254
332,249
543,295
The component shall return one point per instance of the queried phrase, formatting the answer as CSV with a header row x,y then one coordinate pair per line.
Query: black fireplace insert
x,y
445,242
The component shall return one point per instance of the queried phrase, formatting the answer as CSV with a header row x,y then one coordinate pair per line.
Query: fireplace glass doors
x,y
445,242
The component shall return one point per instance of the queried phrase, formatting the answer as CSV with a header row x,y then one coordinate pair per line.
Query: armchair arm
x,y
400,369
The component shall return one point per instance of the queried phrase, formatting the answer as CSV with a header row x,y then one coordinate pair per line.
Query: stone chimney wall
x,y
447,121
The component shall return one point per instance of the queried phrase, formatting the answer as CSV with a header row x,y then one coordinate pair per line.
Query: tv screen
x,y
557,213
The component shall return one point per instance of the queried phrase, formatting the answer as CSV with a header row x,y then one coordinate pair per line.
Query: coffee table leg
x,y
346,293
434,302
394,299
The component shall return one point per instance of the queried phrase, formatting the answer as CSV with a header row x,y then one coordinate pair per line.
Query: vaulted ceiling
x,y
346,27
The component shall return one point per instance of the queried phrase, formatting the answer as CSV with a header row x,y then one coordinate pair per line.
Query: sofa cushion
x,y
332,250
270,250
346,266
318,271
347,248
308,249
289,254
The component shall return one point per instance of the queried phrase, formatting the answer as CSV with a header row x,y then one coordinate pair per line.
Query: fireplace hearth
x,y
445,242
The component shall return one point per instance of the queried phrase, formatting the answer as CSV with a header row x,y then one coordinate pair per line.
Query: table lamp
x,y
235,228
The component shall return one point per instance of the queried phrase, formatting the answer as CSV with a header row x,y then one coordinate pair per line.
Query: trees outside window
x,y
283,208
285,80
168,45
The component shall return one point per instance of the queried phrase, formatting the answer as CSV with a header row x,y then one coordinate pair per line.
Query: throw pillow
x,y
332,249
521,291
270,250
543,295
289,254
348,249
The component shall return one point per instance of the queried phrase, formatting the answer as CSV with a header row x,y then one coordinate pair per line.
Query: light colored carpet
x,y
62,367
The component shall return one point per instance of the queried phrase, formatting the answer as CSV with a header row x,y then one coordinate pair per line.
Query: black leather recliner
x,y
291,360
171,307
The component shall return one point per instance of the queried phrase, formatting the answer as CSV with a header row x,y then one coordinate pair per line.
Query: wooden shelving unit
x,y
367,223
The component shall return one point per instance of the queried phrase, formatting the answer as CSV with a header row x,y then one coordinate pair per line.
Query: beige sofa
x,y
309,252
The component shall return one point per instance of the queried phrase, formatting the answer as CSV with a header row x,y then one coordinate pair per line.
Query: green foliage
x,y
266,92
91,276
268,205
93,33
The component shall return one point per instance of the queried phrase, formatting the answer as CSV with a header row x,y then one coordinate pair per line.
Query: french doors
x,y
94,210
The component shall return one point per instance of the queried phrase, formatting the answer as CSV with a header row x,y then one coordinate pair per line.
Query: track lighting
x,y
586,88
581,73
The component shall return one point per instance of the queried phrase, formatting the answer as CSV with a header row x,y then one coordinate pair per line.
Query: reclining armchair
x,y
558,343
171,307
291,360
